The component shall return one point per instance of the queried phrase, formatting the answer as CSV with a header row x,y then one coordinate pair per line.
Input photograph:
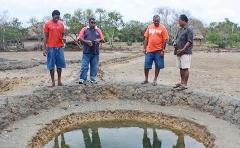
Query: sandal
x,y
182,87
177,85
144,82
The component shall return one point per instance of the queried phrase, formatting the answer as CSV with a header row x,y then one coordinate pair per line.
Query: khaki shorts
x,y
184,61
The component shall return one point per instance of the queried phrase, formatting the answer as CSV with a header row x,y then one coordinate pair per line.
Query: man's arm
x,y
86,41
189,43
165,45
45,38
164,48
64,40
83,40
146,37
81,37
165,37
145,44
101,37
175,41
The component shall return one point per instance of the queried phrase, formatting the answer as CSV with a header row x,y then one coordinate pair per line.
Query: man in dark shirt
x,y
183,45
90,36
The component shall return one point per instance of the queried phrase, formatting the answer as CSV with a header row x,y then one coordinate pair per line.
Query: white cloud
x,y
206,10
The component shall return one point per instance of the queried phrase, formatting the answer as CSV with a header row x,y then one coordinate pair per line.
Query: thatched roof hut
x,y
198,37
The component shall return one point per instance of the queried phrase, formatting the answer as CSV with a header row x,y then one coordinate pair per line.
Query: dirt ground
x,y
210,72
23,81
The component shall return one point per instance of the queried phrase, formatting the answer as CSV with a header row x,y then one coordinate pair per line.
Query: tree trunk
x,y
3,40
112,40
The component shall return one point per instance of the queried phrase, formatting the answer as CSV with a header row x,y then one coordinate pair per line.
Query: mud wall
x,y
157,119
15,108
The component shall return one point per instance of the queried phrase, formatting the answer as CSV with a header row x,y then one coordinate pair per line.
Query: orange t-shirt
x,y
55,33
156,37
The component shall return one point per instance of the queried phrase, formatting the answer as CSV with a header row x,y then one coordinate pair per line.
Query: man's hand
x,y
180,51
174,45
45,38
64,42
98,40
162,52
44,52
145,44
144,51
89,42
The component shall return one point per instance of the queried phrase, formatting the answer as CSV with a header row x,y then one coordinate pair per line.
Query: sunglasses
x,y
93,22
56,17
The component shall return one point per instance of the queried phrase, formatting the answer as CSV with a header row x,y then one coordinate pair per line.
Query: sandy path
x,y
212,72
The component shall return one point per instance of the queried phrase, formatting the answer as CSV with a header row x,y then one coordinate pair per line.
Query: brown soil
x,y
8,84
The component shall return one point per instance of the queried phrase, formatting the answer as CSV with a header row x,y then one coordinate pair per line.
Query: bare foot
x,y
53,85
60,84
154,83
177,85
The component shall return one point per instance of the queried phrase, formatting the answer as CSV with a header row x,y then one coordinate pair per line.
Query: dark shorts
x,y
155,57
55,57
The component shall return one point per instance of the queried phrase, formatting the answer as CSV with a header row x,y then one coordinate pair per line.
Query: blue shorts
x,y
55,57
155,57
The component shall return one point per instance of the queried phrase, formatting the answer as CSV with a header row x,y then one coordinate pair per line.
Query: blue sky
x,y
142,10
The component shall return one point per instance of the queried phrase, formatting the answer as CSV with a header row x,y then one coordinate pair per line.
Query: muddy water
x,y
122,135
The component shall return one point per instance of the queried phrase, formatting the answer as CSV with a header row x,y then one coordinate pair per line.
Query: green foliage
x,y
216,38
111,24
132,32
224,34
11,31
78,20
36,27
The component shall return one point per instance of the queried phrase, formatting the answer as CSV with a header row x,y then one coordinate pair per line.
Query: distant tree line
x,y
11,31
224,34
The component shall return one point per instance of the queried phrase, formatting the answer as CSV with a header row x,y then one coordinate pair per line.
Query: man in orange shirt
x,y
156,37
53,46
